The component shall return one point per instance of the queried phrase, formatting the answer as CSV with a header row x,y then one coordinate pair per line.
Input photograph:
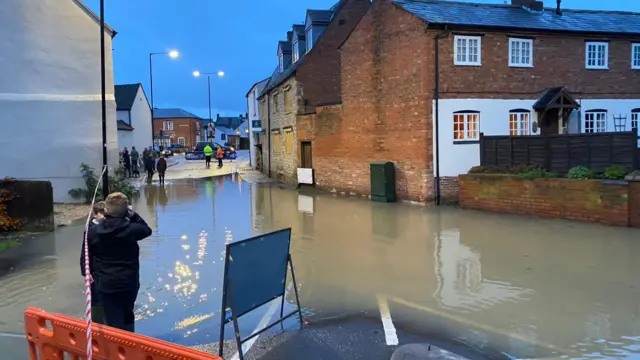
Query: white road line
x,y
261,325
389,330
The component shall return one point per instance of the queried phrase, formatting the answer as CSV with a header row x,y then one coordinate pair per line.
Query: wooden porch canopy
x,y
556,98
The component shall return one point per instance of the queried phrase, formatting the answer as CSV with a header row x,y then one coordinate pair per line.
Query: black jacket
x,y
162,165
114,252
92,223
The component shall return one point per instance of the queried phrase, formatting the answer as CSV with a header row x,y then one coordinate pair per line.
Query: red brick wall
x,y
387,96
319,74
182,127
557,60
583,200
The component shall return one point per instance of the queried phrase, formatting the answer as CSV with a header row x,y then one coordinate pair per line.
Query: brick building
x,y
176,126
308,74
422,78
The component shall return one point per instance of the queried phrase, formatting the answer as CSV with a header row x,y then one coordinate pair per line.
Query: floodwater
x,y
498,283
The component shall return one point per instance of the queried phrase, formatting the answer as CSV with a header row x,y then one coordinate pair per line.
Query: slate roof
x,y
299,30
285,46
230,122
513,17
124,126
320,16
260,84
126,96
551,95
173,114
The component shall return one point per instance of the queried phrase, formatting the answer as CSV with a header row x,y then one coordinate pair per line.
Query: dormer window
x,y
280,61
309,38
296,50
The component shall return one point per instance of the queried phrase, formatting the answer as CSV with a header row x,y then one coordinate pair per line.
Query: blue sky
x,y
238,37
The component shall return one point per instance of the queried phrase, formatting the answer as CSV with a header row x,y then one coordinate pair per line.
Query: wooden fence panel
x,y
559,153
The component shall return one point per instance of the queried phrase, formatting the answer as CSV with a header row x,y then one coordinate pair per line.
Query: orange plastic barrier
x,y
50,336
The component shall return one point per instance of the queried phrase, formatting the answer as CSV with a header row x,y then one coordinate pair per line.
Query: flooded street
x,y
498,283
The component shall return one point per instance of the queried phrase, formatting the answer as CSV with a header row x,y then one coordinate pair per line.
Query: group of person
x,y
130,161
114,261
208,153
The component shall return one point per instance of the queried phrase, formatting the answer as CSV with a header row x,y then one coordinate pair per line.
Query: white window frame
x,y
295,47
183,142
635,117
465,61
308,37
520,117
281,62
599,119
466,117
594,46
635,56
167,125
519,45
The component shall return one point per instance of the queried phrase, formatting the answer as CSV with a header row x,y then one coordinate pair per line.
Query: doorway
x,y
306,158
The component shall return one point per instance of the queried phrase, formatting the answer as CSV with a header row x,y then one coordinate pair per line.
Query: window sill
x,y
596,68
465,142
521,66
467,64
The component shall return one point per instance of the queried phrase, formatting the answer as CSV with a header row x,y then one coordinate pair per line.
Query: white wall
x,y
141,122
456,159
253,109
243,129
50,93
125,139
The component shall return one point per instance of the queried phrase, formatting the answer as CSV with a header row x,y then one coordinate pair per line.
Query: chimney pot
x,y
558,9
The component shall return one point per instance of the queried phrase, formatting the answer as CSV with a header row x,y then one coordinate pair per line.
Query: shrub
x,y
580,172
117,183
536,173
615,173
7,223
488,169
521,169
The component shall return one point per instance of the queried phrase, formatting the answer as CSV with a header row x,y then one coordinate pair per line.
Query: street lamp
x,y
173,54
197,74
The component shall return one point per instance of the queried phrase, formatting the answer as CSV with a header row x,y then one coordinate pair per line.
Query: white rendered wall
x,y
141,122
125,139
50,93
253,109
458,158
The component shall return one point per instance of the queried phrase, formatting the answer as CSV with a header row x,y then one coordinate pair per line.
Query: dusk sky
x,y
238,37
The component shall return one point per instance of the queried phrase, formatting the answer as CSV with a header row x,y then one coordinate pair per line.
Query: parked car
x,y
228,151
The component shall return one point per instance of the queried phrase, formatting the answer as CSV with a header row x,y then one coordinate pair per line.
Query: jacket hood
x,y
112,225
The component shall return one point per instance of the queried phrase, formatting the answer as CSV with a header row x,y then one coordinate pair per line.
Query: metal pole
x,y
209,87
151,82
103,75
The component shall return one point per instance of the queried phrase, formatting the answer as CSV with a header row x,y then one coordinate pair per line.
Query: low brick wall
x,y
34,204
605,202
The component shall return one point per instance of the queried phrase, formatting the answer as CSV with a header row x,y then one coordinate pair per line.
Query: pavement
x,y
194,169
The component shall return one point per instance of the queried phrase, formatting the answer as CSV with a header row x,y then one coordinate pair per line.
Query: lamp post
x,y
103,86
173,54
196,74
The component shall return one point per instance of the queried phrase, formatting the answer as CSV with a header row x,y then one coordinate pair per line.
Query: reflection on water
x,y
526,287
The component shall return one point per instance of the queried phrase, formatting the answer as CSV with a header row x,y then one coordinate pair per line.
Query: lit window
x,y
635,116
295,51
520,52
519,122
597,55
635,56
167,125
465,125
181,141
467,50
595,121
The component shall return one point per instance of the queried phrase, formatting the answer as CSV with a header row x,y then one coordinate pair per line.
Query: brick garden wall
x,y
605,202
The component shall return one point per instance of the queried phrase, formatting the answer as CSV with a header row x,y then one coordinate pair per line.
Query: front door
x,y
305,155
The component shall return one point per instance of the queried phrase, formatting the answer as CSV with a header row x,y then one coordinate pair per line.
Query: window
x,y
597,55
295,51
263,109
288,103
276,142
467,50
308,38
275,103
181,141
465,125
167,125
519,122
288,141
281,62
520,52
595,121
635,116
223,137
635,56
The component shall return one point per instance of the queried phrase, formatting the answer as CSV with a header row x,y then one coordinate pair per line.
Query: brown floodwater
x,y
517,285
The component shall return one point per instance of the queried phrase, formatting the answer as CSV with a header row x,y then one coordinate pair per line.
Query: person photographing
x,y
114,252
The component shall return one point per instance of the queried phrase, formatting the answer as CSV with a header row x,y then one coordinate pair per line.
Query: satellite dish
x,y
534,127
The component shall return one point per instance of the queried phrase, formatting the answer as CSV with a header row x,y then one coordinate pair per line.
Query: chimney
x,y
537,6
520,3
558,10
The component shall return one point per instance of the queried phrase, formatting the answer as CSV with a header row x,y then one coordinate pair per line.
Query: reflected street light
x,y
197,74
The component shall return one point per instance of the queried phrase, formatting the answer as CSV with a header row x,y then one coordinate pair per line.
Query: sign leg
x,y
295,289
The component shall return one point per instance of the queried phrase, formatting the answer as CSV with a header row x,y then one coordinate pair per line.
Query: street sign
x,y
256,124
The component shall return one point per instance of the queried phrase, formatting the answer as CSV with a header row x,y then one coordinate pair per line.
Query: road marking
x,y
472,324
261,325
389,330
12,335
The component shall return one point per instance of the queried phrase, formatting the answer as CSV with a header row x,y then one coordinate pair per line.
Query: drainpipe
x,y
436,96
269,131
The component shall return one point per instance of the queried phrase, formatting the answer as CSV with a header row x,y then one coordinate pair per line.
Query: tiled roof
x,y
320,16
124,126
172,114
513,17
126,96
259,85
231,122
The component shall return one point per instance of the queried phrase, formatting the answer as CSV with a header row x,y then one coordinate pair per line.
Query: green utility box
x,y
383,181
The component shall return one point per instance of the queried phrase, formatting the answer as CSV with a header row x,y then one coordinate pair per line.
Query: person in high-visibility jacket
x,y
208,152
219,155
